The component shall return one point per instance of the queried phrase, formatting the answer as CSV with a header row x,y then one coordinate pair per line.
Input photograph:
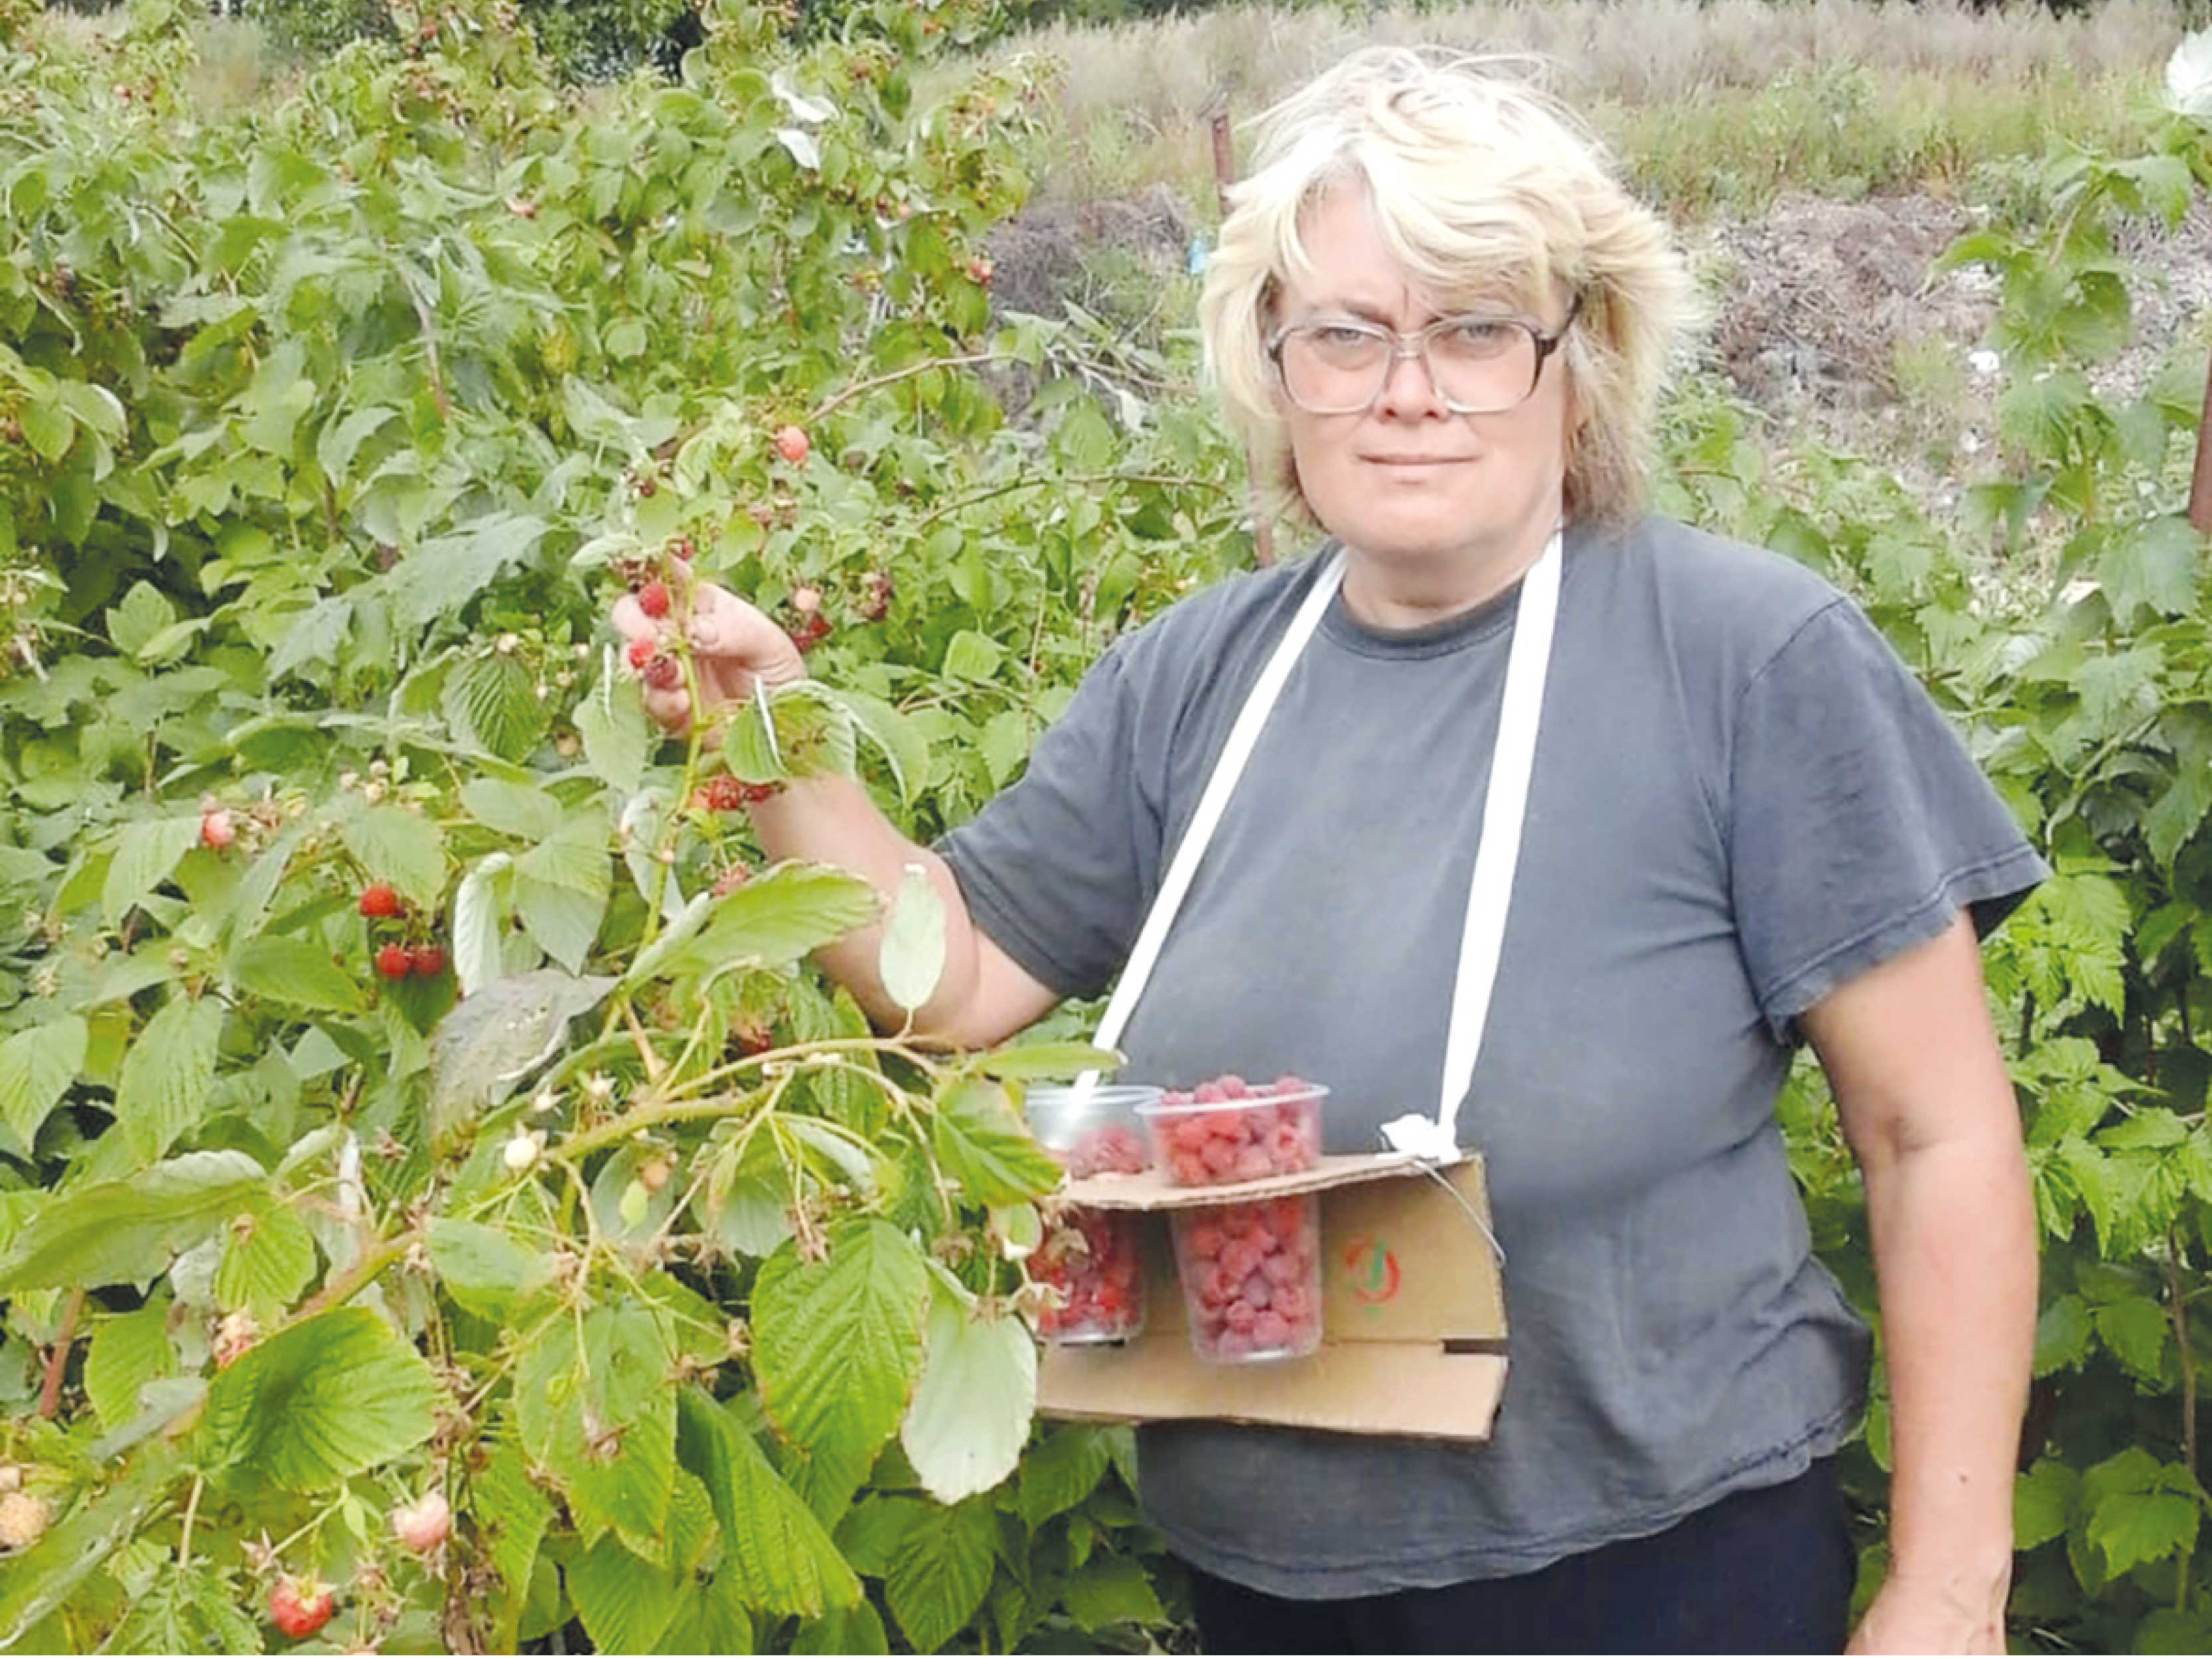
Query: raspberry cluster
x,y
1094,1258
1227,1131
1251,1277
724,794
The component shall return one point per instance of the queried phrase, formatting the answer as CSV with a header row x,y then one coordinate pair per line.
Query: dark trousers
x,y
1763,1571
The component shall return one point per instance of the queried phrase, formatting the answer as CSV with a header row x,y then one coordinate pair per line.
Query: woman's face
x,y
1439,508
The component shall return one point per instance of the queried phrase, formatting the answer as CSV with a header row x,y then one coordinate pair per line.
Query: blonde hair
x,y
1479,185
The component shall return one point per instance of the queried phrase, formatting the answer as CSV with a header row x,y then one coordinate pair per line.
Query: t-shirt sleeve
x,y
1056,869
1859,825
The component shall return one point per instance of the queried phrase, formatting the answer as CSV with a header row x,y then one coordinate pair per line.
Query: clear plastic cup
x,y
1227,1131
1250,1273
1093,1258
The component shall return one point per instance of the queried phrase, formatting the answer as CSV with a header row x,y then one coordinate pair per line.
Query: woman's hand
x,y
1910,1615
733,643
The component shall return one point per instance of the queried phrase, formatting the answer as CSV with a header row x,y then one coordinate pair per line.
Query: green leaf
x,y
126,1352
2129,1528
2152,564
1112,1590
143,613
970,656
2062,1334
487,1045
854,1630
618,736
977,1396
321,1401
711,1618
941,1575
439,578
561,890
1045,1062
772,1545
837,1344
625,1603
494,700
267,1261
1061,1472
484,1268
122,1231
900,742
2043,1502
911,961
145,855
511,1515
479,923
168,1076
594,1405
2135,1328
37,1067
514,808
775,918
980,1141
397,846
279,968
42,1578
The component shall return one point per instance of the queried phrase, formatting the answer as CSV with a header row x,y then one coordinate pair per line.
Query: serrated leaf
x,y
143,613
492,700
772,1545
514,808
776,918
625,1603
490,1042
854,1630
2129,1528
561,890
2152,564
980,1141
2135,1328
900,742
485,1269
146,853
37,1067
911,960
119,1232
1112,1590
479,923
837,1344
267,1261
593,1403
2043,1501
126,1352
616,734
711,1618
399,848
683,926
1061,1472
974,1405
168,1076
2062,1334
277,968
321,1400
939,1577
340,440
40,1578
511,1515
1045,1062
972,656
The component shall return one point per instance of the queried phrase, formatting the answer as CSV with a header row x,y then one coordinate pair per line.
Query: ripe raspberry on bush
x,y
725,793
300,1606
793,444
378,900
393,961
653,599
427,960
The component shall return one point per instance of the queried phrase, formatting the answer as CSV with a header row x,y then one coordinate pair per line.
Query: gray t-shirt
x,y
1741,799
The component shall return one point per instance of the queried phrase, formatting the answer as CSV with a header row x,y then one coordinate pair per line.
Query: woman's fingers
x,y
732,642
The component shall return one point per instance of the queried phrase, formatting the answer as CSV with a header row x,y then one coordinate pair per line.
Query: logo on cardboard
x,y
1370,1267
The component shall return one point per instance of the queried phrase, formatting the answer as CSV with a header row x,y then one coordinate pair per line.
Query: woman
x,y
1443,327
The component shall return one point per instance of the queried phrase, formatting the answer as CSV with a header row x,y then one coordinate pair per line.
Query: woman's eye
x,y
1477,333
1342,337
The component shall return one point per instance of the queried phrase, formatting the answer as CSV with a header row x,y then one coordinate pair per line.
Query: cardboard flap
x,y
1151,1189
1412,1327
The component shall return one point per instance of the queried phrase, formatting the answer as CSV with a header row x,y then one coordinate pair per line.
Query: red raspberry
x,y
379,900
653,599
393,961
428,960
639,653
663,673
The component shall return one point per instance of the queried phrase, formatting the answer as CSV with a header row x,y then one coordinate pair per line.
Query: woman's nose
x,y
1408,387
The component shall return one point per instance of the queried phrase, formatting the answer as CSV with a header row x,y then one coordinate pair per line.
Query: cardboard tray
x,y
1412,1313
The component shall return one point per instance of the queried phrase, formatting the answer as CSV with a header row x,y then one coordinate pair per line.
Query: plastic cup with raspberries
x,y
1093,1258
1250,1271
1229,1130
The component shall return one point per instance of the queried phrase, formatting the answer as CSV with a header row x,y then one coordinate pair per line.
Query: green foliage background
x,y
329,431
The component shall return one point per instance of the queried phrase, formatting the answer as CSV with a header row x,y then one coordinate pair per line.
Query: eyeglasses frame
x,y
1416,345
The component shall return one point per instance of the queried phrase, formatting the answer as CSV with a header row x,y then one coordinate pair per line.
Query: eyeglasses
x,y
1477,365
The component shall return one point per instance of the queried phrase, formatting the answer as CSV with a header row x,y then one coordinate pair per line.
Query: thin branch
x,y
49,1392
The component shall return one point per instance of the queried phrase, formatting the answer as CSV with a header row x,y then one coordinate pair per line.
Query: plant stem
x,y
2178,1300
50,1390
191,1511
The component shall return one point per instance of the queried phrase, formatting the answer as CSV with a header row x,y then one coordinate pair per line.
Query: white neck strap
x,y
1495,856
